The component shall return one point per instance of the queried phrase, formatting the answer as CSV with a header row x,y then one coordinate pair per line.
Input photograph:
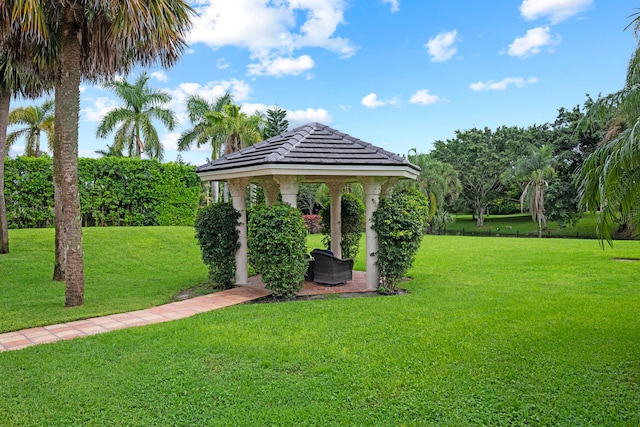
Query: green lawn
x,y
493,332
125,269
522,225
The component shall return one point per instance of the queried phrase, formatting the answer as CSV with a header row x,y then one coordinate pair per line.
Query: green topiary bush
x,y
277,247
399,221
218,237
352,217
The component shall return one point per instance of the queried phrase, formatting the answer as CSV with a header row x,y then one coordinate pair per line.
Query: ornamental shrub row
x,y
113,191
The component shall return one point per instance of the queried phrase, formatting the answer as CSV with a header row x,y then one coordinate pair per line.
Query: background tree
x,y
235,128
571,145
481,157
276,122
37,119
136,131
534,170
91,40
438,181
203,132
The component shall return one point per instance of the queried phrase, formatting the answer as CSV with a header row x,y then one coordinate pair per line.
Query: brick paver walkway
x,y
164,313
97,325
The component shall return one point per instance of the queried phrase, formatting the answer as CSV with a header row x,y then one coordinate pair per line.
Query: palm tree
x,y
438,181
535,170
203,132
609,178
37,119
135,120
94,40
237,129
15,79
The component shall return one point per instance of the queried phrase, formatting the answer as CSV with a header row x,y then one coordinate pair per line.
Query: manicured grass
x,y
125,269
523,226
493,332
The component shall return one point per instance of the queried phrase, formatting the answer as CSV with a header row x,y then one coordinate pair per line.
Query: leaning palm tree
x,y
535,170
134,121
92,40
37,119
609,179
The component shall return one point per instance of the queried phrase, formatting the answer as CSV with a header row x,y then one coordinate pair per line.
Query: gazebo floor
x,y
310,289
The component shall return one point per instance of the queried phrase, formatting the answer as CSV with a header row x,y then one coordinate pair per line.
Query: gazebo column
x,y
335,191
372,189
288,189
387,186
238,187
270,188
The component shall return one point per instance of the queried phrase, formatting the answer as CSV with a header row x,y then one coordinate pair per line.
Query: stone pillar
x,y
288,189
238,188
372,189
335,191
270,188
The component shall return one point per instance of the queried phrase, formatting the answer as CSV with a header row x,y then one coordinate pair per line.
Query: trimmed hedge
x,y
114,191
218,238
399,221
277,243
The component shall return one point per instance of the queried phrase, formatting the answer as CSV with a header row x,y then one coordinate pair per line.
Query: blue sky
x,y
399,74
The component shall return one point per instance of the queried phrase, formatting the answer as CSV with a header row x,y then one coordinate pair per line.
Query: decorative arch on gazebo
x,y
312,153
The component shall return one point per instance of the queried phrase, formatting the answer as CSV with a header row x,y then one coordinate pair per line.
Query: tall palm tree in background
x,y
91,40
439,181
14,80
534,170
136,132
235,128
609,179
37,119
203,132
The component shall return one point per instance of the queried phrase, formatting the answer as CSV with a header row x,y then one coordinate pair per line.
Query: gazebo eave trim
x,y
310,171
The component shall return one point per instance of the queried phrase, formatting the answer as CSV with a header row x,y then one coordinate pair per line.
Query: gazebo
x,y
312,153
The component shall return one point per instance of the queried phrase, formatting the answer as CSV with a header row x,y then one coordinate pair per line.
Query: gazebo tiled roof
x,y
310,150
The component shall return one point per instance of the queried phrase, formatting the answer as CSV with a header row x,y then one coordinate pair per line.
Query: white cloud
x,y
160,76
395,5
556,10
502,84
222,64
101,106
424,97
279,67
372,101
532,42
170,142
442,46
271,29
302,117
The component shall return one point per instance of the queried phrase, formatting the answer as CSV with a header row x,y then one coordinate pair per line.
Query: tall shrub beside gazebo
x,y
311,153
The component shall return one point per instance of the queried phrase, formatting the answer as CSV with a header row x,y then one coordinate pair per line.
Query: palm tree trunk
x,y
67,103
5,102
